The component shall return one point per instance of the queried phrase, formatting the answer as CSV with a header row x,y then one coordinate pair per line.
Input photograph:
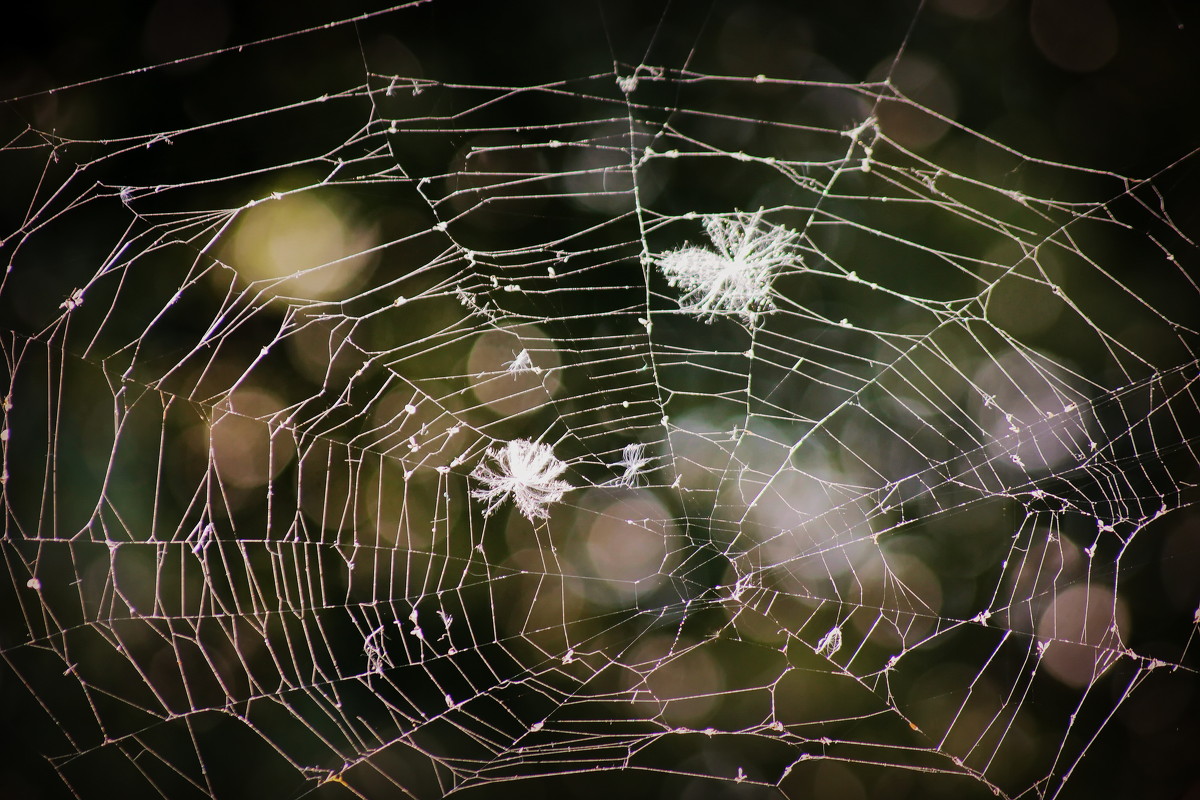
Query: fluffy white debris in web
x,y
522,362
526,471
634,461
736,279
830,643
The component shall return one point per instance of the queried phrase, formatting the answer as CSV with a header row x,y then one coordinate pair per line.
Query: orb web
x,y
693,426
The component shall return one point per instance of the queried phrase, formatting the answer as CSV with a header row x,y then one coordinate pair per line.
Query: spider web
x,y
739,433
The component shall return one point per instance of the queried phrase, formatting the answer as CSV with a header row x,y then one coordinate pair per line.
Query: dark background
x,y
1110,86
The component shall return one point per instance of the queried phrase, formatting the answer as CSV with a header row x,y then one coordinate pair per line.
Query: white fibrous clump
x,y
528,472
736,279
522,362
634,461
830,643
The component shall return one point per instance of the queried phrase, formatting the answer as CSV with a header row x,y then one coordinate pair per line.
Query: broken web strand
x,y
318,424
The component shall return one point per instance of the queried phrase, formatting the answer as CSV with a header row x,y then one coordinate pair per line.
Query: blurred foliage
x,y
978,62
